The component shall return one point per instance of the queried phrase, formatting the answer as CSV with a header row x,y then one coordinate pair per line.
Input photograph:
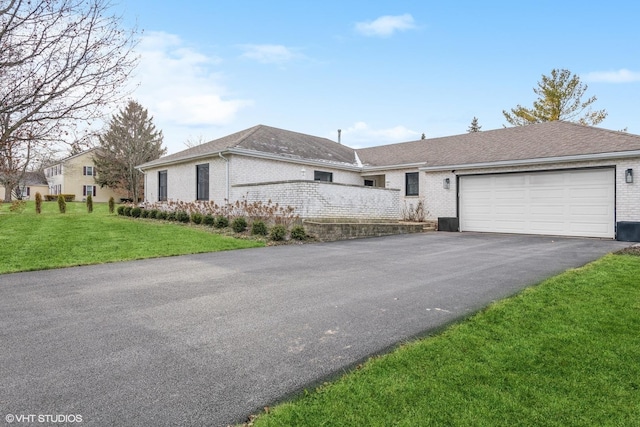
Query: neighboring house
x,y
553,178
31,183
76,175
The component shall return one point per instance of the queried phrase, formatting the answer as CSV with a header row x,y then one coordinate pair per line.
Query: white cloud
x,y
385,26
268,53
361,135
179,85
621,76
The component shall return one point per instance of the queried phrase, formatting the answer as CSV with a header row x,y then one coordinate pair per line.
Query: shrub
x,y
38,203
144,213
171,216
120,210
127,210
208,220
196,218
239,224
278,232
298,233
136,212
112,204
161,215
221,222
153,213
182,216
89,204
259,228
62,205
67,197
17,206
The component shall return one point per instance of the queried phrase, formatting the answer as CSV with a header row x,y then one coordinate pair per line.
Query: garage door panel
x,y
572,203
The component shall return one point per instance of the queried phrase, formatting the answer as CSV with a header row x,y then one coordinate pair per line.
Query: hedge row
x,y
277,232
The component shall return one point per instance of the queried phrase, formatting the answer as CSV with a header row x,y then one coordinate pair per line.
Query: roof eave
x,y
535,161
251,153
366,168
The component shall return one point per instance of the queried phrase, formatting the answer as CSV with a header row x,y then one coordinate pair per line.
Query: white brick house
x,y
552,178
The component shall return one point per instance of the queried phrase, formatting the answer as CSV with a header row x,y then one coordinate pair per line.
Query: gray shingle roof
x,y
543,140
536,141
273,141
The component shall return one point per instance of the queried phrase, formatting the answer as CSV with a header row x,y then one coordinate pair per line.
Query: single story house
x,y
31,183
77,175
554,178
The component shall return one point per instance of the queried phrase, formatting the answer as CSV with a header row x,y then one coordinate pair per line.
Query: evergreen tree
x,y
559,98
131,139
474,126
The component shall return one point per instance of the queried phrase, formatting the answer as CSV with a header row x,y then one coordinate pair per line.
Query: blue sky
x,y
382,71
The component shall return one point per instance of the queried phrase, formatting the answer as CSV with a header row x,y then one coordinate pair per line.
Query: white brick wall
x,y
315,199
249,170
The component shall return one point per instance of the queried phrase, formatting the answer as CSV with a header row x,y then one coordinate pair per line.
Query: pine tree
x,y
131,139
474,126
559,98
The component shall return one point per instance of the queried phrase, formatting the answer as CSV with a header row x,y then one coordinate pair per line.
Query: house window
x,y
88,171
411,184
202,182
162,186
323,176
89,190
369,183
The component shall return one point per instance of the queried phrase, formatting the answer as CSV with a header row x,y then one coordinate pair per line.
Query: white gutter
x,y
525,162
226,173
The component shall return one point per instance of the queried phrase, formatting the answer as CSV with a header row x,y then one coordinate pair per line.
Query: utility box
x,y
628,231
448,224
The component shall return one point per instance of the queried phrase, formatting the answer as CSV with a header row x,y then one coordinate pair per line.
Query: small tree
x,y
559,98
474,126
89,204
38,203
62,205
112,205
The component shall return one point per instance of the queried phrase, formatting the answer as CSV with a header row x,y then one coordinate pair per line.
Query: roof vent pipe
x,y
339,132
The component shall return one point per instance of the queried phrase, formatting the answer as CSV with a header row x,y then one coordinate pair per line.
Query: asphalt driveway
x,y
208,339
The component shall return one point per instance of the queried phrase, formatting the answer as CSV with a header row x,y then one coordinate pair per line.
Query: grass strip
x,y
50,240
564,353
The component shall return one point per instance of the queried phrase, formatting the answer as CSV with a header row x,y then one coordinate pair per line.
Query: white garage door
x,y
565,203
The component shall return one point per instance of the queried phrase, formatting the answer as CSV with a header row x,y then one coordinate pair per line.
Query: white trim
x,y
538,161
251,153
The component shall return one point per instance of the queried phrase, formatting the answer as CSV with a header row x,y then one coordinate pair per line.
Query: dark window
x,y
202,177
162,186
411,184
88,171
89,190
322,176
368,183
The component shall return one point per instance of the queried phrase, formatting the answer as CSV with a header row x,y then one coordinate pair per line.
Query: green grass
x,y
34,242
564,353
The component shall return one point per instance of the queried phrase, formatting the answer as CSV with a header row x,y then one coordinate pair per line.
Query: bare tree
x,y
194,142
63,63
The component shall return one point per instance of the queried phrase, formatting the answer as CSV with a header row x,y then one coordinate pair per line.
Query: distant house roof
x,y
33,178
550,140
271,141
553,141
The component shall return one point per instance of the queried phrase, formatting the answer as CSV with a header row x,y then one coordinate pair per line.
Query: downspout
x,y
226,173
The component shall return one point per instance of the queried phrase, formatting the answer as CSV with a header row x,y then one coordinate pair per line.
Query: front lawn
x,y
564,353
49,240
